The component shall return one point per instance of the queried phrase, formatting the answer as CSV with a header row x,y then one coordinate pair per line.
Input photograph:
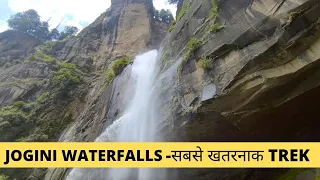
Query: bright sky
x,y
79,13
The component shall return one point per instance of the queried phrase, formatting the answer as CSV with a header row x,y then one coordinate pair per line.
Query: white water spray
x,y
138,124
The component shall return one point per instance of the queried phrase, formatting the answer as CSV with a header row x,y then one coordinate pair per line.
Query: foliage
x,y
292,173
215,28
120,64
54,34
40,56
3,177
173,25
47,47
67,75
19,104
183,10
214,9
21,113
205,63
192,46
163,15
66,79
172,1
166,16
13,115
29,22
68,32
109,76
43,97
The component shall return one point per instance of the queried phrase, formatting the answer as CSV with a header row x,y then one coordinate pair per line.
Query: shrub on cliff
x,y
205,63
120,64
3,177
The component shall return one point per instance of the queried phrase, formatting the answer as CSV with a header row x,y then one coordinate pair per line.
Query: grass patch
x,y
47,47
292,173
43,97
120,64
215,28
214,10
65,80
205,63
116,69
183,10
26,121
4,177
66,77
295,14
192,46
109,76
173,25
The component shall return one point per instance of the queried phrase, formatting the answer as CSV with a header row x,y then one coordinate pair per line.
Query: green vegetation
x,y
120,64
19,104
43,97
40,56
25,83
183,10
214,9
173,25
33,119
29,22
68,31
205,63
192,46
215,28
3,177
291,174
116,69
172,1
66,79
109,76
13,115
163,15
67,75
47,47
295,14
167,57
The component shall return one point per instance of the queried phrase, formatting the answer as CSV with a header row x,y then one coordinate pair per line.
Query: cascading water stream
x,y
138,124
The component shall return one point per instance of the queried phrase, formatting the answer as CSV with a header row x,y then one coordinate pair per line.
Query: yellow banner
x,y
159,155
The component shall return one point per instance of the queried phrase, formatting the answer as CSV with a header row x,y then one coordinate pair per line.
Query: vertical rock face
x,y
126,28
81,110
244,71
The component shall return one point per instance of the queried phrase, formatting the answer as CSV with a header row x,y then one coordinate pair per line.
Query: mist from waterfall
x,y
137,124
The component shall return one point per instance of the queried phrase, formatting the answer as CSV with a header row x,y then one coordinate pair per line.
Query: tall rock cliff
x,y
245,70
230,70
60,91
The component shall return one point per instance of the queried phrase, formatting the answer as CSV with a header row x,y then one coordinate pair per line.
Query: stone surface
x,y
265,67
263,84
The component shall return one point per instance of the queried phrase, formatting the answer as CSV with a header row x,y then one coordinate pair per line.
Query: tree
x,y
156,14
29,22
68,31
54,34
173,1
166,16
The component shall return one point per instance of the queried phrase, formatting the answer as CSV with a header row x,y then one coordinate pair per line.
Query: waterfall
x,y
138,124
